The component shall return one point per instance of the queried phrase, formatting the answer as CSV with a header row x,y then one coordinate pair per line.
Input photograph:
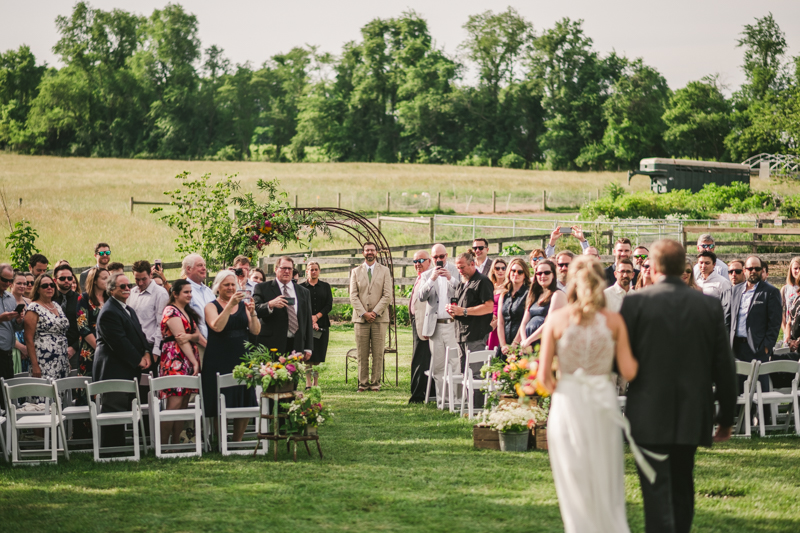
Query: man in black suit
x,y
284,308
678,336
122,351
622,250
68,300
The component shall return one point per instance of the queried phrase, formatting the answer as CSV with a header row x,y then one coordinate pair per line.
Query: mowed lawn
x,y
388,466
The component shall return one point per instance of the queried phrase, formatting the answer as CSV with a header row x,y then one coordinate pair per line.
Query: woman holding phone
x,y
321,305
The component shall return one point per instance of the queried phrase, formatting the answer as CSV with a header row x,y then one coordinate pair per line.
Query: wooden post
x,y
438,201
388,202
544,200
611,241
597,193
296,204
403,271
379,221
454,253
20,202
494,202
131,205
757,237
432,229
338,200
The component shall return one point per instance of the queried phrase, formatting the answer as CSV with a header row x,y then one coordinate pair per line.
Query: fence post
x,y
432,231
438,201
494,202
296,204
388,202
544,200
338,200
379,221
403,271
131,205
20,202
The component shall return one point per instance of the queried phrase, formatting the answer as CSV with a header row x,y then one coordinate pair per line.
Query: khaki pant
x,y
370,343
444,336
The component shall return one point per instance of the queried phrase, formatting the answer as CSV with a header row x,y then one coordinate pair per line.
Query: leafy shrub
x,y
22,242
790,206
512,160
512,250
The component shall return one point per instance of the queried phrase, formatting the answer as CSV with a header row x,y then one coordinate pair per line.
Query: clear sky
x,y
683,39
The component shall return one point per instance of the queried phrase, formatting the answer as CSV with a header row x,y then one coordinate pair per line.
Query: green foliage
x,y
512,161
512,250
22,242
614,190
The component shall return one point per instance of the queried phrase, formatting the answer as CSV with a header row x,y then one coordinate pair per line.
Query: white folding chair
x,y
50,419
450,380
776,397
232,413
470,384
193,412
100,419
429,373
22,375
749,370
144,381
3,447
70,410
22,410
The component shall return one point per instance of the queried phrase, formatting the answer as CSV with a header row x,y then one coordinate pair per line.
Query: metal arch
x,y
362,230
780,164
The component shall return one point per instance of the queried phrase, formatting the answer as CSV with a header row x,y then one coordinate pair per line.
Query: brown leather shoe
x,y
362,389
375,389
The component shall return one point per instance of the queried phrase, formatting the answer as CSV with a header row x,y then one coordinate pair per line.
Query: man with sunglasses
x,y
563,260
102,256
421,351
640,255
437,289
706,243
68,300
577,232
736,272
482,262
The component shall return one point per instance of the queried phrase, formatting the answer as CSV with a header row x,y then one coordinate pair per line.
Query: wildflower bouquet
x,y
266,367
307,410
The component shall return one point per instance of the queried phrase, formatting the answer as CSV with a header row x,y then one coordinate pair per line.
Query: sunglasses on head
x,y
500,268
106,252
640,256
706,246
736,271
544,273
419,261
64,278
478,248
125,286
47,286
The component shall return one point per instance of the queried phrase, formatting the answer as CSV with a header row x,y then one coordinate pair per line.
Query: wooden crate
x,y
485,438
541,438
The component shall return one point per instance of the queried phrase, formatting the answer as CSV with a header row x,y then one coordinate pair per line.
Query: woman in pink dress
x,y
498,277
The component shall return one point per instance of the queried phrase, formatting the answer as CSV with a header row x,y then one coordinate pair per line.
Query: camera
x,y
238,271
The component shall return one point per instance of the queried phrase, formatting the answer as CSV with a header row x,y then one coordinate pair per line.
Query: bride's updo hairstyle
x,y
586,282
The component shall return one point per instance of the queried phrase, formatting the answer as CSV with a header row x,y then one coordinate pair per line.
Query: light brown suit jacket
x,y
375,297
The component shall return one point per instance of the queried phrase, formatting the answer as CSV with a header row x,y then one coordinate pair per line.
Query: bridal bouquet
x,y
265,367
307,410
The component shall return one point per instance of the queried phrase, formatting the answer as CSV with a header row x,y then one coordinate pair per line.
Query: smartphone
x,y
439,264
248,295
157,265
565,230
20,308
289,301
454,301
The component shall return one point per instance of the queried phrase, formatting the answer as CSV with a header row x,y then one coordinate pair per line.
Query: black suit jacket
x,y
612,279
678,336
69,304
763,318
275,324
121,344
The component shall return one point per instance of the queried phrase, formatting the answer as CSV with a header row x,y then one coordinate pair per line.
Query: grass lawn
x,y
388,467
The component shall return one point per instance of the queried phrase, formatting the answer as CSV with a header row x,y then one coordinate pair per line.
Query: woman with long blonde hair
x,y
789,293
498,278
585,424
511,305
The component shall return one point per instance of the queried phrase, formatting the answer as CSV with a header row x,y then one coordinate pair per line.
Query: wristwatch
x,y
465,312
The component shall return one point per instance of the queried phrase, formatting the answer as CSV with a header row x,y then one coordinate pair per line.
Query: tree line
x,y
143,87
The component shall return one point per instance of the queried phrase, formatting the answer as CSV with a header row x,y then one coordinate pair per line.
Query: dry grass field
x,y
76,202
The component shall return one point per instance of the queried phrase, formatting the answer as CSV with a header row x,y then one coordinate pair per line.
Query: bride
x,y
585,427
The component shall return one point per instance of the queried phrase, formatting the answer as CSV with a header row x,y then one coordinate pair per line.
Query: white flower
x,y
510,415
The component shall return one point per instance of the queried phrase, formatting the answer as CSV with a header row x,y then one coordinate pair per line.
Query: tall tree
x,y
19,85
697,119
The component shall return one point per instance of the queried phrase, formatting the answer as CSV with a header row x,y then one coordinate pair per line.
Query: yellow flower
x,y
278,366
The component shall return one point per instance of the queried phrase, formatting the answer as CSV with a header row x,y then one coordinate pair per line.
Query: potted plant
x,y
274,372
306,413
513,422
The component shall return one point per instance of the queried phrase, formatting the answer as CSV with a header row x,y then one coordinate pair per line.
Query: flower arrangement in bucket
x,y
516,376
512,421
306,413
269,369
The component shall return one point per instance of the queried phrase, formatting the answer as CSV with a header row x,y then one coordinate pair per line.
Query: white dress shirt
x,y
124,306
441,289
551,249
201,297
614,295
719,267
744,309
149,305
715,285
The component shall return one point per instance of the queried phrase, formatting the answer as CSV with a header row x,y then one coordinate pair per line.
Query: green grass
x,y
388,467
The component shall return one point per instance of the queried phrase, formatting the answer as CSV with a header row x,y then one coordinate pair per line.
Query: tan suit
x,y
370,296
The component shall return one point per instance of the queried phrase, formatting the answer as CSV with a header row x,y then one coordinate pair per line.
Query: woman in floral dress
x,y
179,356
89,305
46,332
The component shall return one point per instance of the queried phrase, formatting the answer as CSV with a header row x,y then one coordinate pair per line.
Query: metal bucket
x,y
516,441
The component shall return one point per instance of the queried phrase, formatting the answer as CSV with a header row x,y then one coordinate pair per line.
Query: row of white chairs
x,y
452,380
772,398
60,411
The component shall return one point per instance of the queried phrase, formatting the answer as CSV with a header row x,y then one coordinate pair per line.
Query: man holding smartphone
x,y
437,288
10,321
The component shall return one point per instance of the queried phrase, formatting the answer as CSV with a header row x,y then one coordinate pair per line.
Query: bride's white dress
x,y
585,431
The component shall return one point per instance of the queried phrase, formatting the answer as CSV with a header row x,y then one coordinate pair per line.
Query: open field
x,y
388,467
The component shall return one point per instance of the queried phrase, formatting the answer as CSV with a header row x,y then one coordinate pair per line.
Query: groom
x,y
678,336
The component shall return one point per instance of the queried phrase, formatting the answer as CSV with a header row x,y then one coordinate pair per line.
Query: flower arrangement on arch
x,y
266,367
307,410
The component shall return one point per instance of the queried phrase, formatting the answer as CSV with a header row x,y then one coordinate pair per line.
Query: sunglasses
x,y
645,267
437,257
47,286
65,278
6,280
751,269
501,268
419,261
125,286
536,259
107,252
563,265
29,283
544,273
707,246
736,271
478,248
517,271
640,256
690,271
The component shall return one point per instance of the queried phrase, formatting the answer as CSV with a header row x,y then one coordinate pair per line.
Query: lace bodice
x,y
590,347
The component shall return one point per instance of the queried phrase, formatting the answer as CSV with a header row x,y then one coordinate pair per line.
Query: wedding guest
x,y
20,352
480,247
577,232
705,242
670,404
194,270
736,272
591,250
241,267
543,297
563,260
622,250
89,305
321,306
640,254
46,328
161,280
765,273
708,280
116,268
421,350
38,265
102,256
536,255
789,294
229,321
688,276
615,293
29,280
295,275
587,456
121,351
178,353
645,277
498,278
68,300
512,304
257,276
149,301
9,323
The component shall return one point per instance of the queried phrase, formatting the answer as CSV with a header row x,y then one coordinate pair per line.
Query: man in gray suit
x,y
437,287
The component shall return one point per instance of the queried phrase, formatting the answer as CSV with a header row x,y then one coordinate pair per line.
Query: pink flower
x,y
291,368
506,369
282,359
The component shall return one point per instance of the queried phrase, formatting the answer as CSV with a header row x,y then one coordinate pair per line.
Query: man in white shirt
x,y
709,280
148,299
577,232
618,291
194,268
563,260
482,262
706,243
